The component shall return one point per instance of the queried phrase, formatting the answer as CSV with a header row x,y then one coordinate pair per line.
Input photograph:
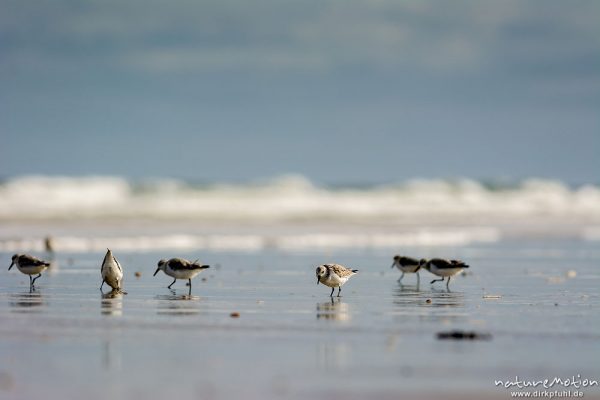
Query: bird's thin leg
x,y
34,279
418,278
401,276
448,282
172,283
437,280
339,291
30,282
331,294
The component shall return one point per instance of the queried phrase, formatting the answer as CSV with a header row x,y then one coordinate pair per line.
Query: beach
x,y
276,142
256,326
536,298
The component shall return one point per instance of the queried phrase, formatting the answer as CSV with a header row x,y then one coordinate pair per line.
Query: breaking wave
x,y
290,198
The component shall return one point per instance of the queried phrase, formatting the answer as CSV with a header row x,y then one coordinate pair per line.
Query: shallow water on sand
x,y
291,339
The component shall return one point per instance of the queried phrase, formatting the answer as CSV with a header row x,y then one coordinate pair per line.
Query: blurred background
x,y
339,92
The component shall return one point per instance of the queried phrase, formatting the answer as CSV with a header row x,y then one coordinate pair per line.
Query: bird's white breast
x,y
333,280
31,269
407,268
182,274
445,272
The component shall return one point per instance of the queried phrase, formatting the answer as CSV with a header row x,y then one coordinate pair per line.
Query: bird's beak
x,y
11,265
393,265
317,279
156,272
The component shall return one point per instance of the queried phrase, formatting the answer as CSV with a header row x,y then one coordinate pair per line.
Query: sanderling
x,y
29,266
334,276
179,268
408,265
49,244
444,268
111,271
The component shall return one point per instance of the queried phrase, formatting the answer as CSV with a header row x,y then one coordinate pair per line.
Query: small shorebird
x,y
334,276
444,268
179,268
29,266
49,244
111,271
408,265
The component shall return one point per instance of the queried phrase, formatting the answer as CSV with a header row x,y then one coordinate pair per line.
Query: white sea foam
x,y
259,242
287,198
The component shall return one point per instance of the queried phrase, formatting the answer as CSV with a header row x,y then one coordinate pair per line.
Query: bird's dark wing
x,y
443,264
408,261
118,265
340,270
459,263
178,264
30,260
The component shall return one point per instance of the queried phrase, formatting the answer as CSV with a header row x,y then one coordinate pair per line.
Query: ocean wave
x,y
287,198
258,242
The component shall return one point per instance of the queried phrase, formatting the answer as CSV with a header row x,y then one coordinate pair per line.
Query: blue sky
x,y
340,91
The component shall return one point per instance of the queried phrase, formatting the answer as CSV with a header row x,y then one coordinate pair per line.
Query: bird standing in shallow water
x,y
334,276
111,271
408,265
444,268
49,245
29,265
179,268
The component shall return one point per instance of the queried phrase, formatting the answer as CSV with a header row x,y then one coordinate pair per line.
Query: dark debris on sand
x,y
463,335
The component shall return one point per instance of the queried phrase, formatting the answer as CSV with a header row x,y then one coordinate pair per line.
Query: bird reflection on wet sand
x,y
411,295
409,288
435,305
446,298
112,303
27,302
333,310
174,304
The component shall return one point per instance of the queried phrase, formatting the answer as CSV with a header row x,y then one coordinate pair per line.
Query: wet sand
x,y
67,340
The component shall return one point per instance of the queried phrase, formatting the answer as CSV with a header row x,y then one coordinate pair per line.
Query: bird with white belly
x,y
112,272
334,276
